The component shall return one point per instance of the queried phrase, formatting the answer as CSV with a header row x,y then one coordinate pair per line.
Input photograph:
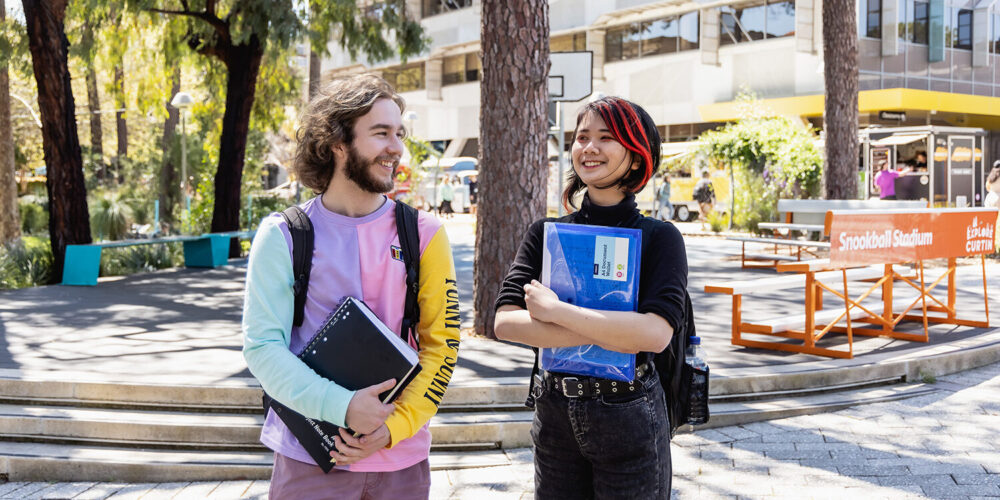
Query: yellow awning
x,y
869,101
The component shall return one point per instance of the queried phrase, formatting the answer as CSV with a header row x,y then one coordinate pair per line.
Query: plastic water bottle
x,y
695,357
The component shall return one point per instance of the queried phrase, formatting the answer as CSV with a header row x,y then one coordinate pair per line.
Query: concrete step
x,y
507,392
222,432
744,412
52,462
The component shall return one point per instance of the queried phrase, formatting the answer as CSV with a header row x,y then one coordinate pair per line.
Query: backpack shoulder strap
x,y
409,242
301,229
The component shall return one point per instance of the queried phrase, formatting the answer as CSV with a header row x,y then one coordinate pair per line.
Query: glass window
x,y
729,30
950,21
780,19
472,67
574,42
622,43
434,7
752,21
872,18
689,31
405,78
963,29
660,37
454,70
995,45
919,22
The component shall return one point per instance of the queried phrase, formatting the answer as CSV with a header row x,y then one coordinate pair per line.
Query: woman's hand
x,y
543,304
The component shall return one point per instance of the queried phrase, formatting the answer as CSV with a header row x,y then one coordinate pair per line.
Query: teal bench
x,y
82,264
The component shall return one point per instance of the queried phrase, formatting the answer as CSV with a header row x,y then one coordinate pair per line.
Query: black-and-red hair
x,y
634,129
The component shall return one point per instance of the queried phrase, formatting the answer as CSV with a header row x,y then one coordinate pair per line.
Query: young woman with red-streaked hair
x,y
613,444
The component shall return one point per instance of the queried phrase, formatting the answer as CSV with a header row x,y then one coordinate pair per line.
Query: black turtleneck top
x,y
663,264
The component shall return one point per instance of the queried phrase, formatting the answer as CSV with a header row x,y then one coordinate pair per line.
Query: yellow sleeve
x,y
438,332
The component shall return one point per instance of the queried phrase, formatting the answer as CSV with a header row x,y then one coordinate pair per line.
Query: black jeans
x,y
609,446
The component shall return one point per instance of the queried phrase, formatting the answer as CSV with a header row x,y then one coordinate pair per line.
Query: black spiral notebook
x,y
356,350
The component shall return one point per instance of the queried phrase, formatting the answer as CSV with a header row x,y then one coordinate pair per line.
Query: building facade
x,y
924,62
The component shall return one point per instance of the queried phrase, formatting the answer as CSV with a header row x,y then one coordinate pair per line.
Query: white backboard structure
x,y
570,75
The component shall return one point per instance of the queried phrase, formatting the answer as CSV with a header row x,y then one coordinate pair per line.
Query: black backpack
x,y
301,230
703,192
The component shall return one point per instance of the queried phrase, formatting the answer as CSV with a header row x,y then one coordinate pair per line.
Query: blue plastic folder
x,y
596,267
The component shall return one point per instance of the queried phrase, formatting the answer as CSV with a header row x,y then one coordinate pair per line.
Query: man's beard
x,y
359,170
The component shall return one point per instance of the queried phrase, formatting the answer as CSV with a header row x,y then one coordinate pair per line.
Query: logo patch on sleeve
x,y
397,253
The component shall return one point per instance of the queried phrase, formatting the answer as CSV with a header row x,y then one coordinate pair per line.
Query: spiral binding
x,y
328,323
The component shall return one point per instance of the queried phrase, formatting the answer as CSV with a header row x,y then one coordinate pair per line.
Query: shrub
x,y
34,218
140,259
25,262
717,221
110,218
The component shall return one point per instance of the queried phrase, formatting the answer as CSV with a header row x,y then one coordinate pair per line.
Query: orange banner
x,y
862,237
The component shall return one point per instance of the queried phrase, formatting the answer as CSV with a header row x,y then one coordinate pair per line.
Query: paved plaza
x,y
183,325
926,447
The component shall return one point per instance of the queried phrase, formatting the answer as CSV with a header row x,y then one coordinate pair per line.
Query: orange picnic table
x,y
872,245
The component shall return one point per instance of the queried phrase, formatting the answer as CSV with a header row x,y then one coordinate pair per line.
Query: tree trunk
x,y
94,106
840,70
315,72
69,221
10,221
169,185
243,63
96,134
513,128
122,125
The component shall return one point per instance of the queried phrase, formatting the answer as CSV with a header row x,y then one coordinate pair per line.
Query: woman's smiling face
x,y
598,159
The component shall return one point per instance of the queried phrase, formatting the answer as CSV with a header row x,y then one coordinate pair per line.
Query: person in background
x,y
473,193
920,162
704,194
447,196
992,199
664,209
885,180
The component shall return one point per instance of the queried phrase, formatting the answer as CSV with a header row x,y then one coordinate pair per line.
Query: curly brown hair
x,y
329,121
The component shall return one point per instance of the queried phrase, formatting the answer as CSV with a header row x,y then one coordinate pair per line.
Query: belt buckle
x,y
565,388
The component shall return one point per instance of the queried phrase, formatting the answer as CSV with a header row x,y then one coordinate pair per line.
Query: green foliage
x,y
772,157
34,218
138,259
261,206
110,218
25,262
717,221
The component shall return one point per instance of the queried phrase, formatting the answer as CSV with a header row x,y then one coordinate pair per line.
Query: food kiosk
x,y
955,168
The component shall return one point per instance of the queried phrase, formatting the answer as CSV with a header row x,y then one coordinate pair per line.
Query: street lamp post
x,y
181,101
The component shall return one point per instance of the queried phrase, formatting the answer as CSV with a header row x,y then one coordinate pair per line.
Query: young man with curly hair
x,y
349,146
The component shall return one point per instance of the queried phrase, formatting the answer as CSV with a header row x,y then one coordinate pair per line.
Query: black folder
x,y
356,350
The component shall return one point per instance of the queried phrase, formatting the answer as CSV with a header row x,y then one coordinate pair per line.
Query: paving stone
x,y
977,478
230,489
165,491
132,491
716,455
738,433
959,490
257,491
714,436
840,447
8,488
946,469
798,454
27,490
66,490
877,470
764,428
200,489
103,490
793,437
763,447
918,479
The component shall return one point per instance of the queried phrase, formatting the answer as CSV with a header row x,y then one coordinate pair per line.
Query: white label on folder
x,y
611,258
